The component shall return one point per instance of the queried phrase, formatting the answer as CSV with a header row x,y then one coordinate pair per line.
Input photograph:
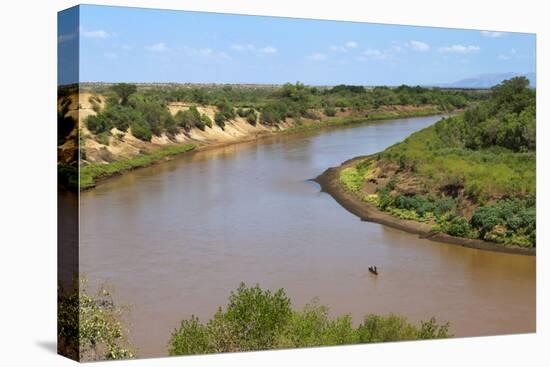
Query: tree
x,y
90,326
124,90
257,319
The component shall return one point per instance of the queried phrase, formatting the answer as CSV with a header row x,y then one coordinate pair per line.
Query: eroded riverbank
x,y
93,174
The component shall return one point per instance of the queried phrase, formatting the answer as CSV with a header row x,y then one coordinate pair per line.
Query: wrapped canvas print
x,y
234,183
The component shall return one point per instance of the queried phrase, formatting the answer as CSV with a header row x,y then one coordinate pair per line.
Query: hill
x,y
484,81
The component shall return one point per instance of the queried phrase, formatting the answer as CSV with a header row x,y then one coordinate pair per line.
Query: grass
x,y
484,173
91,172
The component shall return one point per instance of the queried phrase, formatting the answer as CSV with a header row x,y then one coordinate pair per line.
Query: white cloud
x,y
268,50
374,54
317,56
100,33
337,48
248,47
158,47
240,47
459,49
491,34
503,57
419,46
345,47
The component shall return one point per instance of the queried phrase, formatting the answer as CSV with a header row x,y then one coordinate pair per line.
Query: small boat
x,y
373,270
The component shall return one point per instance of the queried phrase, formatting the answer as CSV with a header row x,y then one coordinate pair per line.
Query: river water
x,y
174,239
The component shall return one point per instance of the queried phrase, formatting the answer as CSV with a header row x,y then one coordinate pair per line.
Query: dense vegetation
x,y
89,326
257,319
145,110
477,170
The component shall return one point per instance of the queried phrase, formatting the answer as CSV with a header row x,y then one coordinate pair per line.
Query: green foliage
x,y
91,172
190,118
256,319
124,90
226,110
352,179
273,113
423,205
141,130
207,121
376,329
485,155
90,326
330,111
190,338
120,117
454,225
219,118
312,327
510,221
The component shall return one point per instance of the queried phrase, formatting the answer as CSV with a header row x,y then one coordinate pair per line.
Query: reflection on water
x,y
174,239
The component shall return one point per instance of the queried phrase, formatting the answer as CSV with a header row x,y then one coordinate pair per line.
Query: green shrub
x,y
219,118
141,131
510,221
330,111
256,319
89,326
190,118
273,113
206,120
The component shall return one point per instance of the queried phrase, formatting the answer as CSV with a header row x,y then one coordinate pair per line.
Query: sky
x,y
119,44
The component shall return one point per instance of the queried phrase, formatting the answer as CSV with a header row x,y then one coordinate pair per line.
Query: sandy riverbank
x,y
330,183
261,132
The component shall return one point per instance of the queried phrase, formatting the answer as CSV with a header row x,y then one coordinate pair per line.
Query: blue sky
x,y
120,44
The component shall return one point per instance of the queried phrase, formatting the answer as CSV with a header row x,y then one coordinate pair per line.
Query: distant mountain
x,y
489,80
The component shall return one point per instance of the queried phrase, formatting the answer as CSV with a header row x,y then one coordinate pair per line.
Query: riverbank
x,y
330,183
93,174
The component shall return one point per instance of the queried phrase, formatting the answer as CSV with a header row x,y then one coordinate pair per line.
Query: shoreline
x,y
330,184
296,129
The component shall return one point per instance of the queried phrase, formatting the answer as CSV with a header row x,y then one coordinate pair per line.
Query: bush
x,y
330,111
252,118
219,118
255,319
251,321
457,226
273,113
190,118
141,131
206,120
89,326
510,221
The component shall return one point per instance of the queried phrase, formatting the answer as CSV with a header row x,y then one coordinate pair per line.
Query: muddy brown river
x,y
174,239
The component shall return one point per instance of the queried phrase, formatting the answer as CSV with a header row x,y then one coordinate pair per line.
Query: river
x,y
174,239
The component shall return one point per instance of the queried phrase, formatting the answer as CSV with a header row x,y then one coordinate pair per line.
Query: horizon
x,y
137,45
